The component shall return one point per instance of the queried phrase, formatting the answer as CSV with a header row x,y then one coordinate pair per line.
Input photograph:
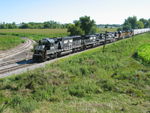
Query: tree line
x,y
33,25
85,25
134,23
79,27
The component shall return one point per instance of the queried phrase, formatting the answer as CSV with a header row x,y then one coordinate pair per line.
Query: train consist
x,y
49,48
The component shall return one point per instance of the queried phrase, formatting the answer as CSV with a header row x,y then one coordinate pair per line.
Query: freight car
x,y
49,48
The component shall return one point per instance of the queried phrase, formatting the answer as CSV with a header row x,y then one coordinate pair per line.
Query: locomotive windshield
x,y
40,47
46,41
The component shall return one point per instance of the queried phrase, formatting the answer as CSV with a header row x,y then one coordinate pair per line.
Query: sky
x,y
66,11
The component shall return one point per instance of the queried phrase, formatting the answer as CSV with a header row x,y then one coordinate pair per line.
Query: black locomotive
x,y
49,48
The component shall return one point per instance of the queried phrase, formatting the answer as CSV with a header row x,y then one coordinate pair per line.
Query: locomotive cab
x,y
45,47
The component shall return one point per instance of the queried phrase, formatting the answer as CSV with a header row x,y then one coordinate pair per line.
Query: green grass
x,y
93,81
144,53
102,30
7,41
35,34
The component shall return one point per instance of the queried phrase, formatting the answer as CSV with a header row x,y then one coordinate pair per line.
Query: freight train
x,y
49,48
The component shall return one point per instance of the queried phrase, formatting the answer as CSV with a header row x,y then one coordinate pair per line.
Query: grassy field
x,y
102,30
144,53
93,81
35,34
7,41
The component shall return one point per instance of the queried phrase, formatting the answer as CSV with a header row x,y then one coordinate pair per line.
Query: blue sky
x,y
65,11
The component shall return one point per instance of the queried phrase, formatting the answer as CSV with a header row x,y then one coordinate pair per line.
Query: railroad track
x,y
4,63
17,50
11,65
10,62
10,69
17,58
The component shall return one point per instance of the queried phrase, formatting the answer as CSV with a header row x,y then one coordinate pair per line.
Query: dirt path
x,y
17,51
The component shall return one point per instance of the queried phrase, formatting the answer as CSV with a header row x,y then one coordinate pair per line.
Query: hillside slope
x,y
93,81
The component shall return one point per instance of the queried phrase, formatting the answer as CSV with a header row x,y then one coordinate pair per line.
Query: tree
x,y
75,30
130,23
87,24
83,26
14,26
149,22
52,24
106,26
145,22
3,26
127,25
140,24
119,29
24,25
8,25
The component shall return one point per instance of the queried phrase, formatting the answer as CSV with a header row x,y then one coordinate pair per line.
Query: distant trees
x,y
8,25
82,26
44,25
33,25
52,24
133,23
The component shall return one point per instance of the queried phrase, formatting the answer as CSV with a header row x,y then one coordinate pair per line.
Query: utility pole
x,y
105,41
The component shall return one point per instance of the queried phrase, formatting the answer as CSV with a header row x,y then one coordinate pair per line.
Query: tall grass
x,y
144,53
7,41
93,81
